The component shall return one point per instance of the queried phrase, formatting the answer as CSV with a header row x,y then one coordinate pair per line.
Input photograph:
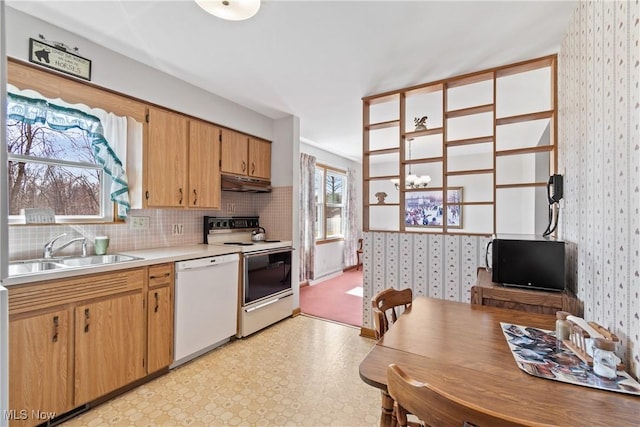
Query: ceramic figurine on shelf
x,y
421,123
380,196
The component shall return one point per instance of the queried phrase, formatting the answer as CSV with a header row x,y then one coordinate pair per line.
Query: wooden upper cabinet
x,y
234,151
244,155
259,158
204,165
39,362
165,159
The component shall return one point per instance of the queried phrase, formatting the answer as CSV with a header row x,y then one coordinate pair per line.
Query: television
x,y
528,261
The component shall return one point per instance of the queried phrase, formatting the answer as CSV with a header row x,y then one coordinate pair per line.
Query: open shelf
x,y
469,141
383,125
487,108
467,149
525,117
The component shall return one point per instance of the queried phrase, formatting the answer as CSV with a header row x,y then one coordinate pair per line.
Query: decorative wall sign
x,y
57,58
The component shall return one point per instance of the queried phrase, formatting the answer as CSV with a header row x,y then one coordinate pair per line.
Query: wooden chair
x,y
384,303
433,407
359,254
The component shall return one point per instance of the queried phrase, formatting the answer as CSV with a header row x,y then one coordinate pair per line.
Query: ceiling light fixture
x,y
411,180
232,10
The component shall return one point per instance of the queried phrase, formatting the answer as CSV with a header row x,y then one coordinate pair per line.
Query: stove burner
x,y
239,243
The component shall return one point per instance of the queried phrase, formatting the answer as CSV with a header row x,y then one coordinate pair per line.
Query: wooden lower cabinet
x,y
39,366
109,342
72,341
159,329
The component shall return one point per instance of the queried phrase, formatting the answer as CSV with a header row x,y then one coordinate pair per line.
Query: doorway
x,y
338,299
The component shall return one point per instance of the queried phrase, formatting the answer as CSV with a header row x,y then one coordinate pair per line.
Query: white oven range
x,y
265,294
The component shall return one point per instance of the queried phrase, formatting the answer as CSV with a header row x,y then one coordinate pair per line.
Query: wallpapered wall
x,y
433,265
599,69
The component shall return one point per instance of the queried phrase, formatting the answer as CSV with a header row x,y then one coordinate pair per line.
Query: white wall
x,y
329,255
117,72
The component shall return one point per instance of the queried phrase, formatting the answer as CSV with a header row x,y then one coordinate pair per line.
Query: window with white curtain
x,y
331,187
63,157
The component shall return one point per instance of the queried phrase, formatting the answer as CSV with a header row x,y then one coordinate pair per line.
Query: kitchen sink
x,y
95,260
48,264
32,266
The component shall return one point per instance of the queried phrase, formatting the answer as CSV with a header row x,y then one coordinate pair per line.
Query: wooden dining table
x,y
460,349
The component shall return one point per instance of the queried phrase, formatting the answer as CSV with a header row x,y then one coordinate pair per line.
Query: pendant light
x,y
411,180
232,10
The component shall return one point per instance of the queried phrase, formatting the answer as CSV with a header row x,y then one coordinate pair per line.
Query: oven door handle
x,y
273,301
268,251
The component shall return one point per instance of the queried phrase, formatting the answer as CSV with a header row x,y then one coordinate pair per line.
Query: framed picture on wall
x,y
425,208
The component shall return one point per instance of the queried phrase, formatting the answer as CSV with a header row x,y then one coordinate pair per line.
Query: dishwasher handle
x,y
210,262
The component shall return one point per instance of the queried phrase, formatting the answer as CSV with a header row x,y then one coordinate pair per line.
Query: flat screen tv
x,y
533,262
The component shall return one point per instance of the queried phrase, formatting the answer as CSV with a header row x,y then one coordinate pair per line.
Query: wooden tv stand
x,y
489,293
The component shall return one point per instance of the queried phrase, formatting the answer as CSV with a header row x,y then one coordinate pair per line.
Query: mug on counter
x,y
101,244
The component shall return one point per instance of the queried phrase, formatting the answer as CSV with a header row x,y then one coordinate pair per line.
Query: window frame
x,y
107,207
322,238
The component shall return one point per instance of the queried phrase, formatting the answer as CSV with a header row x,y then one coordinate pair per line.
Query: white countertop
x,y
148,257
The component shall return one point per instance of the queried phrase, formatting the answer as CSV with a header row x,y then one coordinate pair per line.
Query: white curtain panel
x,y
307,216
351,234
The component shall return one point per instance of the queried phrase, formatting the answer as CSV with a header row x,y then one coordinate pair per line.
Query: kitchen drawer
x,y
160,275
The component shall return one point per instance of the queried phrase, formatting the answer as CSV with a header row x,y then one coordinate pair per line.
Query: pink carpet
x,y
330,300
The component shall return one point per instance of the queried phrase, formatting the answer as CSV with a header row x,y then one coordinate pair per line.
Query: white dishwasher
x,y
206,296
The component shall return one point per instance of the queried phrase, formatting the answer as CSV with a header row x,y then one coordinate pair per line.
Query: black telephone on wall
x,y
554,189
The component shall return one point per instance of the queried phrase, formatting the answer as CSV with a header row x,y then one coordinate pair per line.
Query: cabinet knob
x,y
181,195
155,310
195,197
244,166
253,167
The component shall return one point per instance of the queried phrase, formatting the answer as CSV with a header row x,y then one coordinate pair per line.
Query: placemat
x,y
538,353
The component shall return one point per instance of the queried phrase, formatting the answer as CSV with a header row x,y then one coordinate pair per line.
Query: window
x,y
59,159
331,185
54,169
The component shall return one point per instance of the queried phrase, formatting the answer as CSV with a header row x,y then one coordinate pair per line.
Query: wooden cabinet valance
x,y
54,86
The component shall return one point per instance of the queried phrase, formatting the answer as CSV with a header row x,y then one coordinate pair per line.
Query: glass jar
x,y
604,358
562,325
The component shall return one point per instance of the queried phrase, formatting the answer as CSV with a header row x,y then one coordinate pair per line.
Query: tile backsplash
x,y
274,209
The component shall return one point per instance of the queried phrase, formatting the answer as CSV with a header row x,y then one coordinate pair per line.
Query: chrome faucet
x,y
48,248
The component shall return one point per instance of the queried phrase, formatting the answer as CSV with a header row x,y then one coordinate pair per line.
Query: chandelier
x,y
411,180
232,10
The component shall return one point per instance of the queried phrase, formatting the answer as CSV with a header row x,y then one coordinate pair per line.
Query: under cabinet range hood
x,y
244,184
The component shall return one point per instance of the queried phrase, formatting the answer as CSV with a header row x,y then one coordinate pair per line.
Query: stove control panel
x,y
215,224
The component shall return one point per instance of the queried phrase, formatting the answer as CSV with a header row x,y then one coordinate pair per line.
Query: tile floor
x,y
299,372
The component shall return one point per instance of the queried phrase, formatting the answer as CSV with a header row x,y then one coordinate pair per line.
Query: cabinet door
x,y
160,329
109,346
233,152
40,380
259,158
165,159
204,165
